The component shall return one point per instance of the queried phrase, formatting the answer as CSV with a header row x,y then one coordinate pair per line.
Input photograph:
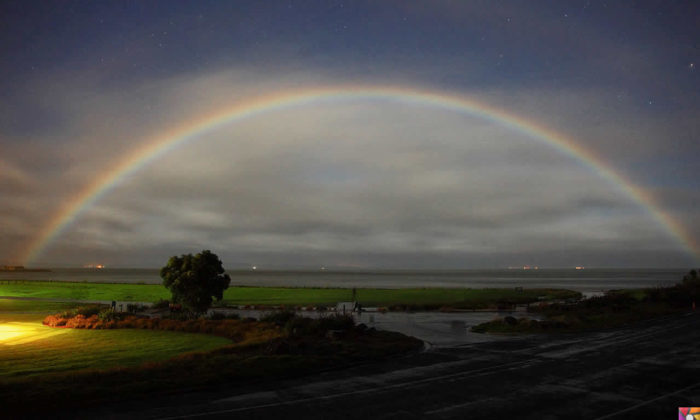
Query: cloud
x,y
361,182
405,180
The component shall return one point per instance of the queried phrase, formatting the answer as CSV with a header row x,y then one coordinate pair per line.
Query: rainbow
x,y
156,147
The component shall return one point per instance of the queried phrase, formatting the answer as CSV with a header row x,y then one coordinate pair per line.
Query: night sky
x,y
352,183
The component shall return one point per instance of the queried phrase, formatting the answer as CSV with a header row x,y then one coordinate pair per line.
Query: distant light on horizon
x,y
97,266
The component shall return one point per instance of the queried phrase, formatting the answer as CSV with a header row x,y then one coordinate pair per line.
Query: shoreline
x,y
584,281
406,299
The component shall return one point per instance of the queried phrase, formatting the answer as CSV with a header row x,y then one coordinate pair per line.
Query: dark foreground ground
x,y
644,371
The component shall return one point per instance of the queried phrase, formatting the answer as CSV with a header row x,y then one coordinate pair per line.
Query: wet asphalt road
x,y
645,371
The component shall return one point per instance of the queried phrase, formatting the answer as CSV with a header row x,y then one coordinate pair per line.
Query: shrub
x,y
336,322
109,315
88,311
279,318
135,307
691,279
216,316
301,326
223,315
55,320
80,321
298,326
66,314
161,304
181,316
655,294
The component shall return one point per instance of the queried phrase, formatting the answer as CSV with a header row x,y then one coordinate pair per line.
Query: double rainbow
x,y
161,145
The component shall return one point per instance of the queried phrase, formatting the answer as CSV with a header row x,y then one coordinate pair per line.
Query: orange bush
x,y
54,321
233,329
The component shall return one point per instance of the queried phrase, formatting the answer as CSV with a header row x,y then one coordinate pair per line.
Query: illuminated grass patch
x,y
14,333
65,367
29,348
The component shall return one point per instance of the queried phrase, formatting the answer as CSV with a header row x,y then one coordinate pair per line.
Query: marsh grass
x,y
615,308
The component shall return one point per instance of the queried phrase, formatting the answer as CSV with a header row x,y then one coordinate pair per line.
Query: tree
x,y
194,280
691,279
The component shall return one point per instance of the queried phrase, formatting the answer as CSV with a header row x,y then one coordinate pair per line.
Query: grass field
x,y
84,291
458,298
67,369
15,307
28,348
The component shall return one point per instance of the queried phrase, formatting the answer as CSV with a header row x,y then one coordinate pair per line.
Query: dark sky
x,y
360,183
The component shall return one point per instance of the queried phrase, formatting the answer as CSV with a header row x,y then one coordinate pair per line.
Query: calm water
x,y
589,280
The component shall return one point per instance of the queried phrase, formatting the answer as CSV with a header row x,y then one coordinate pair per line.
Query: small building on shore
x,y
345,307
121,306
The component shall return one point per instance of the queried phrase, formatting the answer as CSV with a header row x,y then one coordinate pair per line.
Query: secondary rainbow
x,y
162,144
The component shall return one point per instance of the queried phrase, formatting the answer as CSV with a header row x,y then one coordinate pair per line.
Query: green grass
x,y
33,306
457,298
84,291
29,349
39,350
67,368
229,366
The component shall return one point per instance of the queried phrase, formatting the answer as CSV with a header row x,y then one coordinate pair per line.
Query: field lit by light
x,y
31,349
14,333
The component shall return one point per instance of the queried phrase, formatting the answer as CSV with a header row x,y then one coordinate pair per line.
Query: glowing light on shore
x,y
98,266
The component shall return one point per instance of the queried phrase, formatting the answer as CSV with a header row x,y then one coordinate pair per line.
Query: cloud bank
x,y
353,183
360,183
